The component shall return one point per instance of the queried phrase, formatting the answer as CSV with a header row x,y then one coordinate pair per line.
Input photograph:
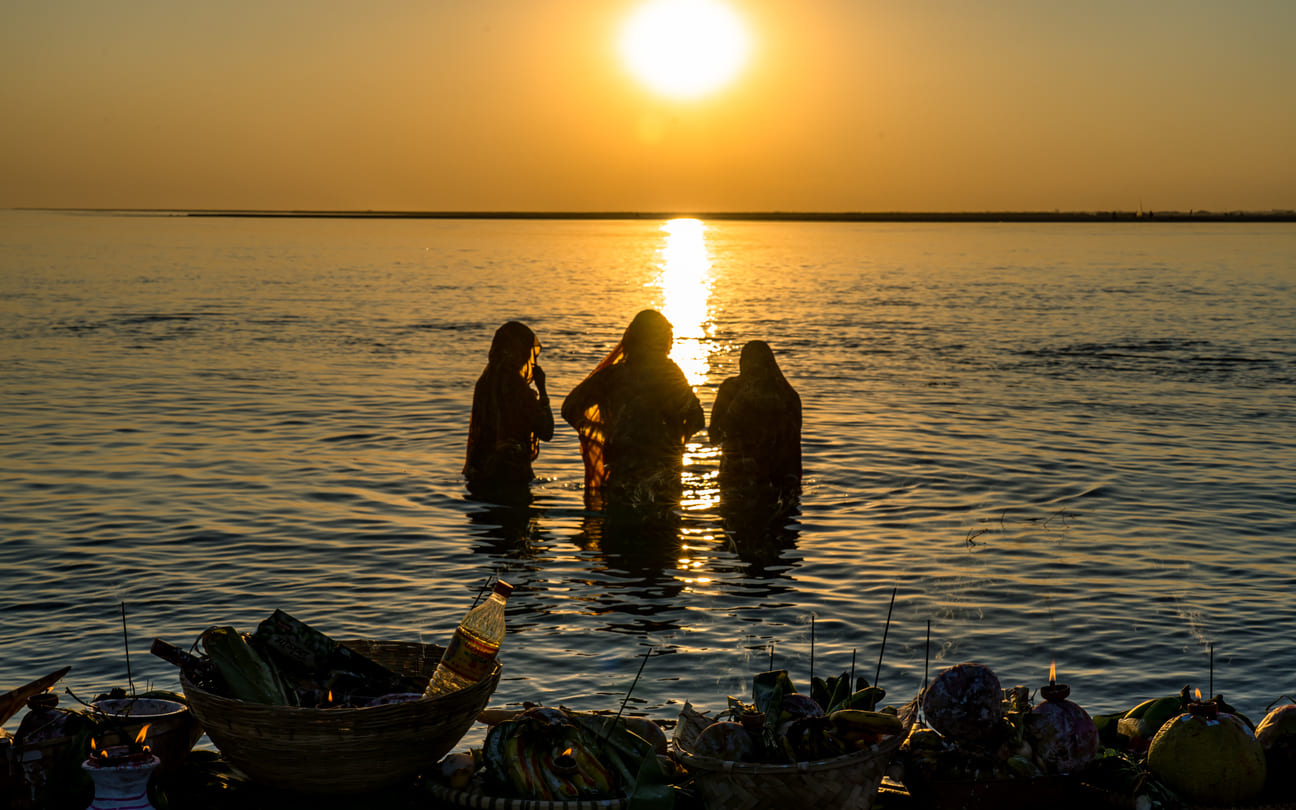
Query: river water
x,y
1049,442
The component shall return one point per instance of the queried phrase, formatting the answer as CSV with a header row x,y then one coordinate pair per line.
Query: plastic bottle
x,y
471,653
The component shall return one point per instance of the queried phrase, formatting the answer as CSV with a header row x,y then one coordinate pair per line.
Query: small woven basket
x,y
848,782
344,750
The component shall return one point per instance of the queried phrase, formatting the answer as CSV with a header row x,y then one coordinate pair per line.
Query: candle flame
x,y
139,738
566,753
1198,693
1052,672
94,746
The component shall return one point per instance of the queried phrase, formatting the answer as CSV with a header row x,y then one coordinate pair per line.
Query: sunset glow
x,y
656,106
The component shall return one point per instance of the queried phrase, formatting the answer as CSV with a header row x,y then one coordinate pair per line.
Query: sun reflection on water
x,y
685,282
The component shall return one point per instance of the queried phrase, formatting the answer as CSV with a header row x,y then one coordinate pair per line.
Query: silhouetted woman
x,y
509,420
756,420
633,413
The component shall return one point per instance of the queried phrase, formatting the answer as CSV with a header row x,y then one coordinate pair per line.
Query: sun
x,y
685,48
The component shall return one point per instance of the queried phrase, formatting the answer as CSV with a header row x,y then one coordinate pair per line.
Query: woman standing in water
x,y
756,420
634,412
509,420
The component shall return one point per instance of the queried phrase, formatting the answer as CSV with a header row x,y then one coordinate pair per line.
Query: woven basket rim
x,y
468,797
304,712
885,747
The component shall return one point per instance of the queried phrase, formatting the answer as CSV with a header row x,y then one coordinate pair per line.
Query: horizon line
x,y
1192,215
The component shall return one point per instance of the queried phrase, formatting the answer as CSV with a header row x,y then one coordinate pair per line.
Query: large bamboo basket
x,y
848,782
344,750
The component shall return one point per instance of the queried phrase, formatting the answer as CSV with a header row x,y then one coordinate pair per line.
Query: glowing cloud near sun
x,y
685,48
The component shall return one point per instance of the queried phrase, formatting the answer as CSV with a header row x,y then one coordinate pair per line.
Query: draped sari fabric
x,y
756,420
633,413
509,419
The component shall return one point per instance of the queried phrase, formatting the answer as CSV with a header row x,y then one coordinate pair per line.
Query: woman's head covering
x,y
513,354
514,348
649,333
757,360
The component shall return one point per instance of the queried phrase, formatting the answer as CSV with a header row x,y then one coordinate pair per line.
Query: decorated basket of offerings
x,y
978,745
556,758
788,749
357,721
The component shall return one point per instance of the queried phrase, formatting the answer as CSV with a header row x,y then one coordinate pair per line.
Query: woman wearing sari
x,y
756,420
634,412
509,420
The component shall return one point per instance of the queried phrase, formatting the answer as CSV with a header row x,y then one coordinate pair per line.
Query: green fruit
x,y
1277,736
1208,760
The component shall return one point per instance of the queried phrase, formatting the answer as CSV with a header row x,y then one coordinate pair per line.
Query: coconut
x,y
650,731
964,702
1063,735
1277,736
726,740
1208,758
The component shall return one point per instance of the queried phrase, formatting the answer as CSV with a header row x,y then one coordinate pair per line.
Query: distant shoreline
x,y
754,216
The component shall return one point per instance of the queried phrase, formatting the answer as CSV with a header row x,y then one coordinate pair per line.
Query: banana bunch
x,y
554,754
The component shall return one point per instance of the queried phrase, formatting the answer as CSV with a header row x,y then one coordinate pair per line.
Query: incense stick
x,y
812,643
885,630
126,644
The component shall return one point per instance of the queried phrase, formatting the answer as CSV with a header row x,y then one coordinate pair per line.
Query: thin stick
x,y
1211,682
885,629
126,644
482,590
926,654
812,642
771,666
625,700
852,675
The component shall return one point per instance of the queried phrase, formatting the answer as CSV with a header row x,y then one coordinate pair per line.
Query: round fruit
x,y
725,739
964,702
796,706
1063,735
1208,760
650,731
1277,736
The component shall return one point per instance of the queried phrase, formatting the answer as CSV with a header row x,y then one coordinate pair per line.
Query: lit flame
x,y
94,746
1052,672
139,738
1197,692
566,753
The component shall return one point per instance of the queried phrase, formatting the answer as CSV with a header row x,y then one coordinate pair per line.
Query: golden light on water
x,y
685,283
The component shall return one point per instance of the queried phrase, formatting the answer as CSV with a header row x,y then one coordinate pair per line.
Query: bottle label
x,y
469,657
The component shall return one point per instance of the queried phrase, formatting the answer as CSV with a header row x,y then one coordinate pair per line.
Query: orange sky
x,y
846,105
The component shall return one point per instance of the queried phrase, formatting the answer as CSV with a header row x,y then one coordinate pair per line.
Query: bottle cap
x,y
503,588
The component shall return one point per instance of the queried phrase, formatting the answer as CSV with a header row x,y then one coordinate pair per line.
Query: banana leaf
x,y
311,657
248,676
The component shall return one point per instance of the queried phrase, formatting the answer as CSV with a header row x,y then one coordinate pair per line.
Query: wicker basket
x,y
848,782
343,750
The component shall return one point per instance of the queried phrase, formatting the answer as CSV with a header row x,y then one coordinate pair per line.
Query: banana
x,y
867,722
594,778
516,772
560,787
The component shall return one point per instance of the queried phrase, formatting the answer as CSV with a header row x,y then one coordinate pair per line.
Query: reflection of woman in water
x,y
509,420
756,420
634,412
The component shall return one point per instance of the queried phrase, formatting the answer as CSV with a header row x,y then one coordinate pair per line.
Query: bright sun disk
x,y
685,48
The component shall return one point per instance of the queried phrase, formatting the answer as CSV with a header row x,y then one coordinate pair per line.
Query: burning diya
x,y
121,774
